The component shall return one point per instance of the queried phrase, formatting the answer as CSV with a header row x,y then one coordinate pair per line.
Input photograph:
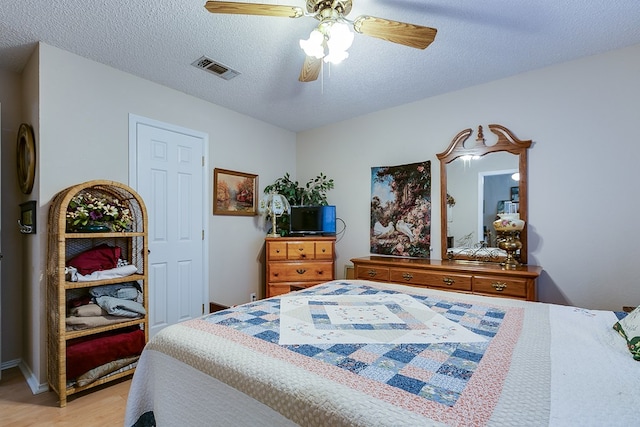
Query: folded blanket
x,y
78,323
86,353
102,257
87,310
120,290
102,370
112,273
121,307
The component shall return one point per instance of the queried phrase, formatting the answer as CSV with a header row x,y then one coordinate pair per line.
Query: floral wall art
x,y
401,210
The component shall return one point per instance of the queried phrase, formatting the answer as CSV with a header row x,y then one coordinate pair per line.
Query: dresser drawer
x,y
324,250
277,250
300,250
300,272
298,262
483,278
372,273
458,282
279,289
497,286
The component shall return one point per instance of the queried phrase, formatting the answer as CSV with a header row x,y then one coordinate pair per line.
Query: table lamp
x,y
273,205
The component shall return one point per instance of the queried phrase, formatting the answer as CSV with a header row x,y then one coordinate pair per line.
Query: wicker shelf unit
x,y
64,244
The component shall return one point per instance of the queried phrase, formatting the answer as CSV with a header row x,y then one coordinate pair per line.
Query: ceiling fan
x,y
332,33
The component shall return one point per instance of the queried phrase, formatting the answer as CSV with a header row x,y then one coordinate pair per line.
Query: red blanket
x,y
102,257
90,352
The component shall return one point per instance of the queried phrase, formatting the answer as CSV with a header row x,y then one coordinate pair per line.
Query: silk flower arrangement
x,y
85,209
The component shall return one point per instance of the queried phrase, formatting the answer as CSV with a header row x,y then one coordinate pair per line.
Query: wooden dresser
x,y
457,276
298,262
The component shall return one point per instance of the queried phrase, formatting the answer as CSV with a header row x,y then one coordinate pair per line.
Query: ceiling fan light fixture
x,y
336,30
340,37
336,56
314,45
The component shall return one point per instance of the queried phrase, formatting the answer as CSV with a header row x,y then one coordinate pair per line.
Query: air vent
x,y
215,68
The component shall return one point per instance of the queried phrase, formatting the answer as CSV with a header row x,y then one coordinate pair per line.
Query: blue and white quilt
x,y
426,346
359,353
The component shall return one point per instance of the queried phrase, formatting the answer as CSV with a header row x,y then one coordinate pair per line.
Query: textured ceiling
x,y
477,41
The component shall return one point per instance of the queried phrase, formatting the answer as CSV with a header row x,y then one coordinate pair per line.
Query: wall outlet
x,y
252,297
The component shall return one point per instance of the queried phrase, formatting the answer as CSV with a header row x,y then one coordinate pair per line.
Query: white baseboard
x,y
10,364
32,381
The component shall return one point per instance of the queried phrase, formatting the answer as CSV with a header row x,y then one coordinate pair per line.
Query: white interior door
x,y
169,177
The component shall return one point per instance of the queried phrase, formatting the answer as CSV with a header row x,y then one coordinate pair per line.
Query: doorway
x,y
493,189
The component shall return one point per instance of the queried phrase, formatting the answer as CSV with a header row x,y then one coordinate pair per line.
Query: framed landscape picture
x,y
234,193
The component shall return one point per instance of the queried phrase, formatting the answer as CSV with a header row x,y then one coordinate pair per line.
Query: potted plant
x,y
313,193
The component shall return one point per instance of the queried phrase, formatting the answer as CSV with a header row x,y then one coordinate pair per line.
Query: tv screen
x,y
312,220
306,220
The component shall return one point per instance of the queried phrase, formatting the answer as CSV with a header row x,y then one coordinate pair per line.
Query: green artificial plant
x,y
313,193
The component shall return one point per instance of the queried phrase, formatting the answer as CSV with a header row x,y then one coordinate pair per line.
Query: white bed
x,y
411,357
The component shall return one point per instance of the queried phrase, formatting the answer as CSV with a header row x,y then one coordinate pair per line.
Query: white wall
x,y
583,118
82,135
11,298
33,251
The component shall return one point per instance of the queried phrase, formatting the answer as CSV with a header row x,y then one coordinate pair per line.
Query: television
x,y
312,220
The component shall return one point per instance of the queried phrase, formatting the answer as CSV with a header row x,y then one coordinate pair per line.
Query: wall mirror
x,y
478,180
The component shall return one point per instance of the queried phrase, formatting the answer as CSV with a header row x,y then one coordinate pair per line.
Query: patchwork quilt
x,y
423,346
354,353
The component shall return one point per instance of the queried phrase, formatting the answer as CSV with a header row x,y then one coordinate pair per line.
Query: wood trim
x,y
213,307
507,142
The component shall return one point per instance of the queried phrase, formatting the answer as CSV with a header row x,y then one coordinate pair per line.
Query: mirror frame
x,y
508,142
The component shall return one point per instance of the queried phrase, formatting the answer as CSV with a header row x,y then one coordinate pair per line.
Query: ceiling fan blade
x,y
397,32
310,69
215,6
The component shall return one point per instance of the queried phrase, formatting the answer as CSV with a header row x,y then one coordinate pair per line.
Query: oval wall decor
x,y
26,157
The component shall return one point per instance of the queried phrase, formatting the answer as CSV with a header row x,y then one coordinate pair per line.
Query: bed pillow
x,y
629,328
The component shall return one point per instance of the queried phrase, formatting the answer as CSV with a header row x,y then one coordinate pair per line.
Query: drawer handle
x,y
277,251
407,276
448,281
324,250
301,271
372,273
499,286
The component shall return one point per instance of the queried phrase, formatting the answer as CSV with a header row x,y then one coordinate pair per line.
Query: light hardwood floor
x,y
104,406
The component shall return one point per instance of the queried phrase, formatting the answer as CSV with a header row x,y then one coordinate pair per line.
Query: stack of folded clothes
x,y
89,358
105,305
